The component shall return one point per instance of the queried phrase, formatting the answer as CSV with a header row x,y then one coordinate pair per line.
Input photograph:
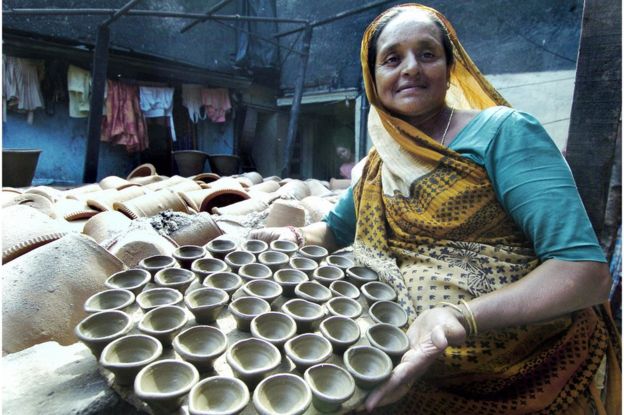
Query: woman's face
x,y
411,73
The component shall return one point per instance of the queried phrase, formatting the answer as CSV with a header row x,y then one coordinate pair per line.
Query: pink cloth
x,y
217,103
345,169
124,123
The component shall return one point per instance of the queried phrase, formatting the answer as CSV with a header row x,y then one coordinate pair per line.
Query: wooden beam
x,y
94,123
597,105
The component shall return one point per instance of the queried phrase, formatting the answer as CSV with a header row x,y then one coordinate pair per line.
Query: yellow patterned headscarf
x,y
392,222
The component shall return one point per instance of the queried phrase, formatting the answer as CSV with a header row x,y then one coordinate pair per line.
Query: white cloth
x,y
192,100
21,88
158,102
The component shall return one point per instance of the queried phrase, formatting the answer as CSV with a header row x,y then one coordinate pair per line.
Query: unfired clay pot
x,y
163,323
342,332
255,246
163,384
143,170
306,265
114,299
274,327
200,345
177,278
344,306
312,291
155,263
252,359
35,229
219,248
199,229
305,313
274,260
43,289
326,274
368,366
130,279
377,291
105,201
331,385
227,281
344,289
158,297
243,207
388,312
361,275
114,182
390,339
99,329
285,213
244,309
339,261
255,271
151,204
266,289
126,356
206,266
284,246
315,252
307,350
283,394
186,254
218,395
289,278
237,259
206,303
106,225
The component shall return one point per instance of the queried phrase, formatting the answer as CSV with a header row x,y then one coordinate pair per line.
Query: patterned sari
x,y
430,224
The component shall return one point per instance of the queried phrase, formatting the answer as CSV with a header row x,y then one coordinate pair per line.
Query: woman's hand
x,y
429,335
269,235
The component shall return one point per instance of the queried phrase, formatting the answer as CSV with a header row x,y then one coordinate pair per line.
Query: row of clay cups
x,y
326,386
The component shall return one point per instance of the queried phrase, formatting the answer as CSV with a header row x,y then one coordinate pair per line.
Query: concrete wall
x,y
63,141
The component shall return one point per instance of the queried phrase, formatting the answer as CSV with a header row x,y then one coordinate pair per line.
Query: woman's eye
x,y
391,60
428,55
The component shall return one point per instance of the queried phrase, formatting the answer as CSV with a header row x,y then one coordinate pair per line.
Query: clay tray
x,y
225,322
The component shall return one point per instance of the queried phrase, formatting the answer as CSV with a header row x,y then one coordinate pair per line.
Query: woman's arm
x,y
317,233
553,289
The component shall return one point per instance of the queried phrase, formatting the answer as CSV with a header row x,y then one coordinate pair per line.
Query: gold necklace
x,y
443,142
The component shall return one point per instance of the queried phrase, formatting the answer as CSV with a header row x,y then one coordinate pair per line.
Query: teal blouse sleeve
x,y
536,187
341,219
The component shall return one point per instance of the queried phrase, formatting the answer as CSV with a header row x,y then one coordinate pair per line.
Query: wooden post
x,y
597,105
94,123
296,104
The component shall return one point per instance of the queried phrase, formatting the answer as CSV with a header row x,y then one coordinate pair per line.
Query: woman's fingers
x,y
414,363
393,389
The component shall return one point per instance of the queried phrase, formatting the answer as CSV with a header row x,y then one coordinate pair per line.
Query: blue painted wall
x,y
63,141
214,138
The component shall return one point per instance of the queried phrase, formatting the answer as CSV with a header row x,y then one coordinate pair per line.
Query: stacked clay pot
x,y
228,326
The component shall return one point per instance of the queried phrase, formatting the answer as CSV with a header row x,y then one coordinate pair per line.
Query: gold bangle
x,y
471,318
463,320
453,306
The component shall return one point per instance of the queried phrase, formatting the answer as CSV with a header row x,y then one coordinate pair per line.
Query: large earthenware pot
x,y
18,166
190,162
224,164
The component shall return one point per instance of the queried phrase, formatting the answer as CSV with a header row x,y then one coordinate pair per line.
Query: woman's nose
x,y
410,65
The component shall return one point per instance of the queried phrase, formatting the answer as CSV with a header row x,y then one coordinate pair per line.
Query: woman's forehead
x,y
410,24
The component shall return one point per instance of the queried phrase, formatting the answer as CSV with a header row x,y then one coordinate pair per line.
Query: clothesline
x,y
127,101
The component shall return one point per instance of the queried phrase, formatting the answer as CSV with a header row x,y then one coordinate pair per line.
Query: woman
x,y
469,211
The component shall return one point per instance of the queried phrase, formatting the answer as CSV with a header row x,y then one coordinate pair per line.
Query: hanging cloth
x,y
158,102
217,103
124,123
79,87
192,100
21,87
